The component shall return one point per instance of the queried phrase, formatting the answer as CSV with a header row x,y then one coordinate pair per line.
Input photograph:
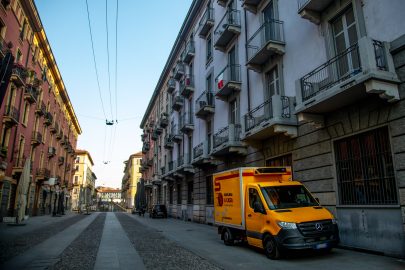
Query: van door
x,y
254,221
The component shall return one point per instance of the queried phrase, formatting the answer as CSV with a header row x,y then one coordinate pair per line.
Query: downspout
x,y
247,70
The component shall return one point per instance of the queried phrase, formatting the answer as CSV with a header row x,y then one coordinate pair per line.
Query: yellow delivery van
x,y
263,206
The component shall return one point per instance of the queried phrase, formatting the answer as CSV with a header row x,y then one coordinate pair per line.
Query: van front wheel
x,y
227,236
270,248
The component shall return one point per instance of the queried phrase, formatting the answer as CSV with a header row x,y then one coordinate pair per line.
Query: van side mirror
x,y
317,200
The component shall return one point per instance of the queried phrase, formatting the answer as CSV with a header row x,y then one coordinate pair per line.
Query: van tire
x,y
270,248
227,237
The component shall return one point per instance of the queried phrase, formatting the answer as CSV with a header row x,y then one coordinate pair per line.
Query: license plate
x,y
320,246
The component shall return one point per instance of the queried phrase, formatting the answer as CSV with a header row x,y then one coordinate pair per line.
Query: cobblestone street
x,y
124,241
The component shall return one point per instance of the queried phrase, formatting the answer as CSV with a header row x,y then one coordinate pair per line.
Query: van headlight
x,y
287,225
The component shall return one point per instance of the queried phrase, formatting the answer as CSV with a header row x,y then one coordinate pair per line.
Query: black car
x,y
158,210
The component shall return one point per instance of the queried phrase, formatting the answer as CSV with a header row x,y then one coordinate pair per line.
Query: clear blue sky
x,y
146,33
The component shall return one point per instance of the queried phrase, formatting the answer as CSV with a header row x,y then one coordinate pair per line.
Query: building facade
x,y
37,119
109,199
313,84
132,175
83,193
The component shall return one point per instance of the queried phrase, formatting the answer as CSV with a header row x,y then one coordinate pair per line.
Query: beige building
x,y
132,175
83,192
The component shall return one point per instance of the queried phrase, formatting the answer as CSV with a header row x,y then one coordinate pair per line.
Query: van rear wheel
x,y
270,248
227,237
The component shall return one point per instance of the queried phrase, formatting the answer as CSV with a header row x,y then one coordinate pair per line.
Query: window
x,y
208,83
190,192
254,199
272,83
209,49
209,190
171,194
285,160
365,172
178,193
76,179
233,112
19,56
26,113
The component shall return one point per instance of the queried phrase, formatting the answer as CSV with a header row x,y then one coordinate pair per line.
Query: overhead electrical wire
x,y
116,64
108,58
94,60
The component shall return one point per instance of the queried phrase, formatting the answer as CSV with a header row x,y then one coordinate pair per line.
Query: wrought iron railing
x,y
170,165
32,91
180,161
198,150
36,136
207,16
20,71
231,17
261,113
231,73
272,30
188,81
186,119
189,50
380,57
339,68
12,112
205,99
223,136
171,83
179,69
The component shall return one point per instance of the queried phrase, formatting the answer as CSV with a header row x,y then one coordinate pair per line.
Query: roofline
x,y
85,152
187,23
32,12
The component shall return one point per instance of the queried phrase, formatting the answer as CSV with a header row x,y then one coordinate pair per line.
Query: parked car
x,y
158,210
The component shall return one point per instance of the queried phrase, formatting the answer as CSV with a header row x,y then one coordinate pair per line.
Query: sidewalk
x,y
32,223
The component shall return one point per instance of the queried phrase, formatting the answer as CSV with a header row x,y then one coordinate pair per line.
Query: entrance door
x,y
254,221
345,36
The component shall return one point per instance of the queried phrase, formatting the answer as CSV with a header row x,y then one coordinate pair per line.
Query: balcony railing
x,y
187,86
267,41
205,104
164,120
228,28
61,160
189,52
228,81
179,70
43,173
251,5
171,166
363,64
19,74
41,108
186,122
178,103
168,141
36,138
48,119
206,23
31,93
51,151
11,115
176,135
223,136
145,147
198,150
171,85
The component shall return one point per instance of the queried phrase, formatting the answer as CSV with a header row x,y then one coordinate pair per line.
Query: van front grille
x,y
316,228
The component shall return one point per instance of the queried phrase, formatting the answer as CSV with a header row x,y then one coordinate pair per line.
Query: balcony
x,y
189,52
176,135
3,151
186,122
158,129
30,94
145,147
168,144
266,42
164,120
312,9
40,108
184,164
36,82
42,174
187,86
59,135
156,180
48,119
144,136
251,5
178,103
61,160
206,23
227,141
228,28
154,136
163,170
272,117
205,105
11,116
51,151
179,70
171,85
36,138
18,75
54,128
148,184
364,68
201,154
228,82
222,2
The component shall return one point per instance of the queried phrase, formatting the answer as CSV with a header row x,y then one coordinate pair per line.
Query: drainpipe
x,y
247,70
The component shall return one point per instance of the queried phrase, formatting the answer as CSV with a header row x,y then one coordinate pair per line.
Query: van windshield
x,y
282,197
